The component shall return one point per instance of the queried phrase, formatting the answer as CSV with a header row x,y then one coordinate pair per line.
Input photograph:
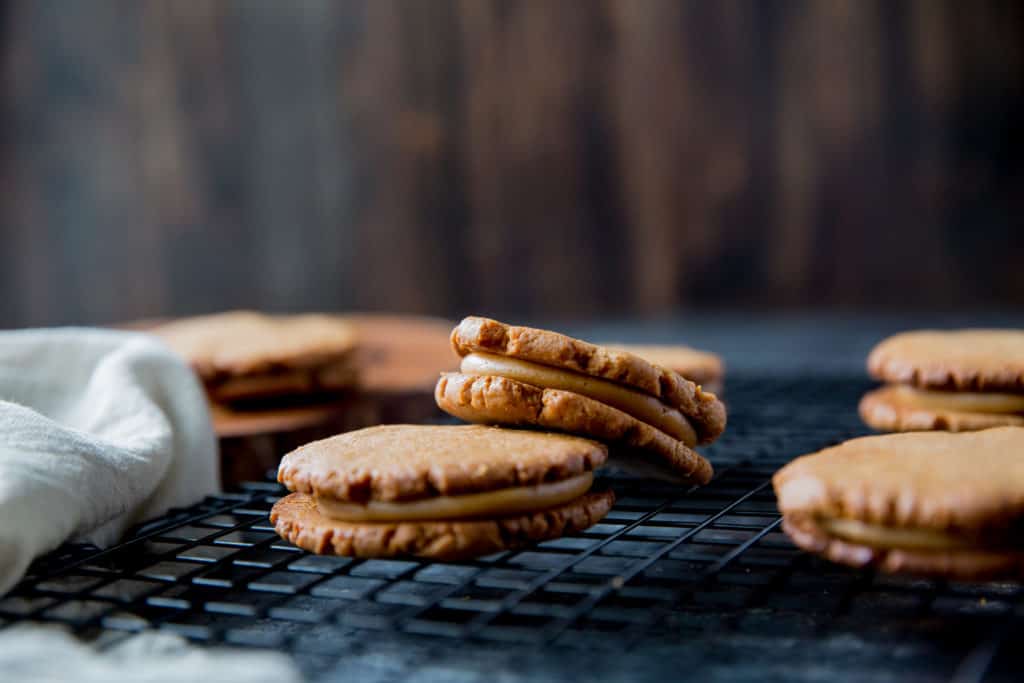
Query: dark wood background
x,y
569,158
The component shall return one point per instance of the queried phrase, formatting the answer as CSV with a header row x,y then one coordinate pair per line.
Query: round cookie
x,y
483,335
438,492
965,360
499,400
933,503
243,355
390,463
701,367
889,409
297,519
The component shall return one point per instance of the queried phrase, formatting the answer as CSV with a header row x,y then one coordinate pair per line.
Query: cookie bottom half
x,y
962,563
297,519
313,382
901,409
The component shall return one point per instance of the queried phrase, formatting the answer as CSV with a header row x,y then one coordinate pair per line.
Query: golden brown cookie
x,y
701,367
297,519
243,355
932,503
965,360
499,400
897,408
442,492
476,335
410,462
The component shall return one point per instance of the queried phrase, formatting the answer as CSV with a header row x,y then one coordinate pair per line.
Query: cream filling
x,y
877,536
641,406
962,401
500,503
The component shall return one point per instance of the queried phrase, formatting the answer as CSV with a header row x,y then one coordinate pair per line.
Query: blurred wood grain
x,y
162,157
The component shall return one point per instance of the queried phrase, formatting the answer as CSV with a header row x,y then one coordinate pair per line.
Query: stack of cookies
x,y
243,356
959,380
936,504
273,381
526,377
455,492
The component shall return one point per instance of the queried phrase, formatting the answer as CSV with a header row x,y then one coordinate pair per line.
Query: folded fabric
x,y
99,430
29,653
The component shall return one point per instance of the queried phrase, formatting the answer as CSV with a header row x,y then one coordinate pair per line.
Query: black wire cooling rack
x,y
672,583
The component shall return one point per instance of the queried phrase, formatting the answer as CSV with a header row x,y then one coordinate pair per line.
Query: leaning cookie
x,y
242,355
935,504
499,400
438,492
618,378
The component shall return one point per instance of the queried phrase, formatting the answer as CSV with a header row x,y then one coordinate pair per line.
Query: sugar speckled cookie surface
x,y
967,360
411,462
499,400
297,519
886,409
475,334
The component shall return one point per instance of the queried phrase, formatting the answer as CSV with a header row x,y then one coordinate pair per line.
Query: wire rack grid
x,y
671,582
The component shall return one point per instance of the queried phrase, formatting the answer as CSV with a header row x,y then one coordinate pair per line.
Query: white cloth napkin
x,y
46,654
99,430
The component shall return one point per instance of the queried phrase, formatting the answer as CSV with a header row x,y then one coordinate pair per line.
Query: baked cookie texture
x,y
476,334
944,380
962,360
526,377
243,354
412,462
968,486
887,409
297,519
505,401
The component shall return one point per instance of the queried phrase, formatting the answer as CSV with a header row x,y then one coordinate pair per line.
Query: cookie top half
x,y
240,343
391,463
483,335
964,360
925,480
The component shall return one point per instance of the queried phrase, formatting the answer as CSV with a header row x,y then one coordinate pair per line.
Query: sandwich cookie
x,y
438,492
954,380
520,376
700,367
937,504
243,355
